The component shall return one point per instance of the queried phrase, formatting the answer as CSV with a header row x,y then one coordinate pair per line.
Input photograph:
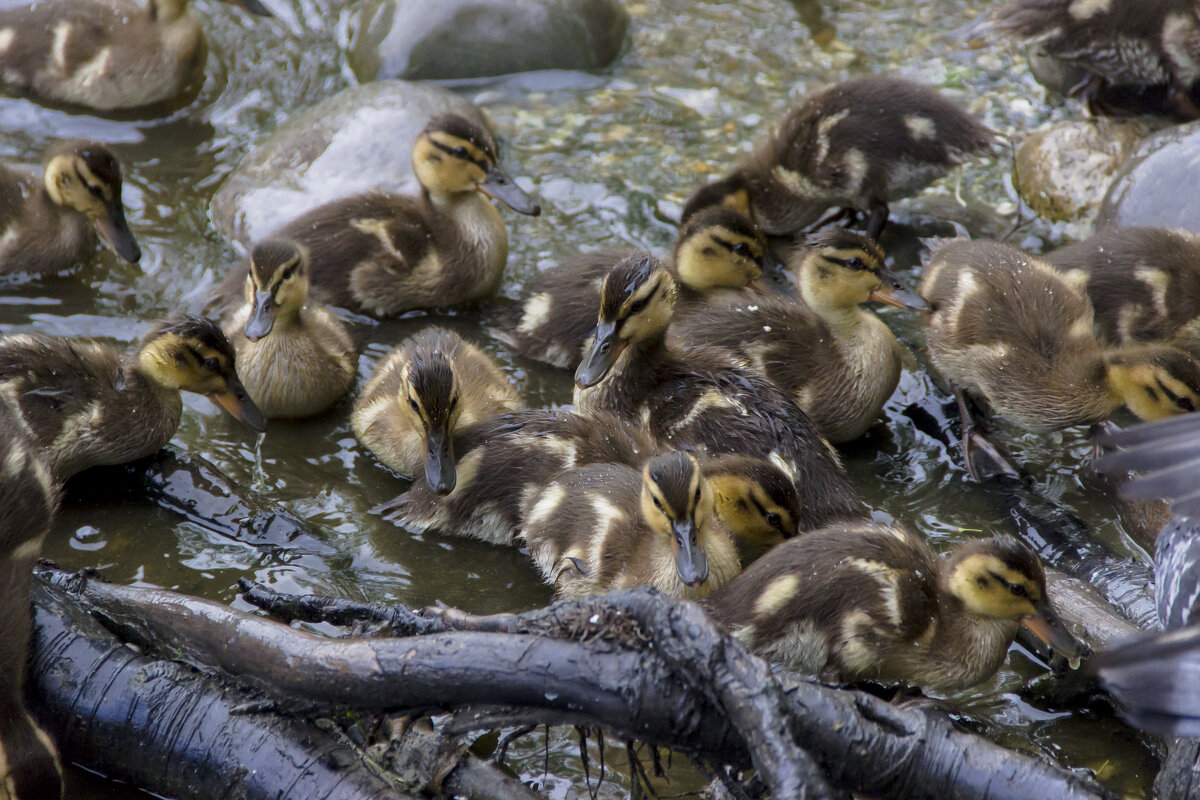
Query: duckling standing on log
x,y
718,253
839,362
425,390
700,396
295,361
856,145
29,765
106,55
87,405
385,254
50,223
1017,333
605,526
866,602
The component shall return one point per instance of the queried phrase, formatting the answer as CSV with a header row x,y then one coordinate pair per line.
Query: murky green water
x,y
610,157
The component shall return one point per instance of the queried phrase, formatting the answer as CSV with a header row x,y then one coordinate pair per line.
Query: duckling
x,y
1019,334
1143,283
839,362
29,763
294,361
1119,50
385,254
862,602
585,536
857,145
754,498
505,460
698,396
50,223
718,253
106,55
424,390
88,405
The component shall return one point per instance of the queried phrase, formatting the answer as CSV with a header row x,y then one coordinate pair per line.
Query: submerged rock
x,y
1157,183
359,139
449,39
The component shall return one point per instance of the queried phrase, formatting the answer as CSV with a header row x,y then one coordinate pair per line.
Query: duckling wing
x,y
56,38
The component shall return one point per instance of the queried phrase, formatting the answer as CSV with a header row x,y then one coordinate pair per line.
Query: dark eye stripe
x,y
759,506
845,262
730,245
448,150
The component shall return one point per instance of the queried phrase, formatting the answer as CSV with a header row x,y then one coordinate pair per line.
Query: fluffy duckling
x,y
1120,51
88,405
857,145
29,763
50,223
868,602
506,460
422,392
1143,283
385,254
699,396
718,252
1017,333
754,498
585,536
104,54
294,361
839,362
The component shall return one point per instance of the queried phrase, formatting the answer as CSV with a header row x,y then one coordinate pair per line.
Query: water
x,y
611,158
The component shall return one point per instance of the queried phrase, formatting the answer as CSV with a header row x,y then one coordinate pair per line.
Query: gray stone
x,y
357,140
454,39
1065,168
1157,183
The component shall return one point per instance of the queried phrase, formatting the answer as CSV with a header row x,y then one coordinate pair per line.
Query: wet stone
x,y
357,140
455,39
1157,183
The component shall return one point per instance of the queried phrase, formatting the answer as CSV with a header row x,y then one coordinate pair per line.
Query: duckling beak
x,y
499,186
262,316
253,6
690,561
240,406
1049,627
600,356
114,230
439,461
896,292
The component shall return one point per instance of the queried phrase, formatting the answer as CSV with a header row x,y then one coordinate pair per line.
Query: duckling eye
x,y
774,520
697,499
453,402
95,191
742,249
639,306
855,263
658,505
414,405
212,365
461,152
1185,404
1018,590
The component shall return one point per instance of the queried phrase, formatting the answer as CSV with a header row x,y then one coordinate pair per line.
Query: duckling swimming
x,y
50,223
385,254
857,145
294,361
863,602
106,55
699,396
718,253
421,394
839,362
1014,331
87,405
586,537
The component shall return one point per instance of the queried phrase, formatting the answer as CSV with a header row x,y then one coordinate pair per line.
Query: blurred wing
x,y
1177,573
1156,679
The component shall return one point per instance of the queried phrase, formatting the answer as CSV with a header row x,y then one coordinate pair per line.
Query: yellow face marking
x,y
776,594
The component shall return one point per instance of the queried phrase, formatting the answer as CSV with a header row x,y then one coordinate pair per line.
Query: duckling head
x,y
430,400
677,501
731,192
192,354
454,155
755,499
719,247
636,303
1000,578
1154,381
841,269
277,285
86,177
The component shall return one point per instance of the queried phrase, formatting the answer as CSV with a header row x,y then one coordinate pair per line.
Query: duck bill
x,y
253,6
240,406
440,473
690,561
1048,627
499,186
115,233
262,316
896,292
600,356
